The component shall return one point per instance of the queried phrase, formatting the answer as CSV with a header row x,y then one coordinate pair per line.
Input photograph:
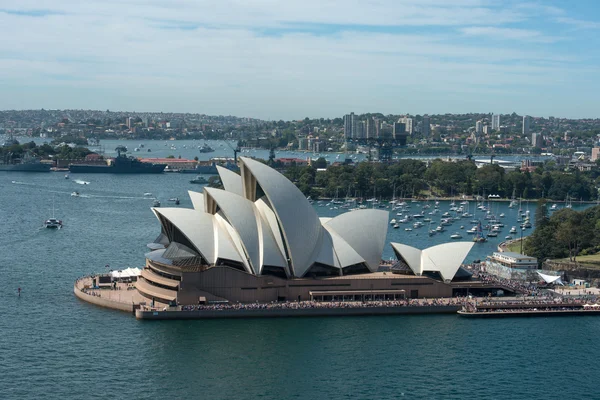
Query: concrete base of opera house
x,y
124,297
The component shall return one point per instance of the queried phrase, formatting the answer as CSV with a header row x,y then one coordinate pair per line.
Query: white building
x,y
495,122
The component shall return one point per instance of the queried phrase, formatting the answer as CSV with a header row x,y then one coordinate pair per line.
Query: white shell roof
x,y
197,227
365,231
302,230
255,235
240,215
232,182
269,216
345,253
228,245
197,200
444,258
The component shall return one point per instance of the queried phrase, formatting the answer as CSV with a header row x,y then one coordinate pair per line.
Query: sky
x,y
291,59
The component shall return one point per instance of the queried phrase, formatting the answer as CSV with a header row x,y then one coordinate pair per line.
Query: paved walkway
x,y
120,295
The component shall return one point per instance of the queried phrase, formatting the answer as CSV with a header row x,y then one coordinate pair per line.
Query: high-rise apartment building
x,y
350,125
479,127
370,130
495,122
399,129
426,128
526,124
408,122
536,139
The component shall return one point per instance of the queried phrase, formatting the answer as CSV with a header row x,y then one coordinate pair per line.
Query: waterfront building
x,y
302,143
514,266
526,125
260,239
495,122
514,260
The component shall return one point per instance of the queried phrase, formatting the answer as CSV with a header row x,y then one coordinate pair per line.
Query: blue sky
x,y
297,58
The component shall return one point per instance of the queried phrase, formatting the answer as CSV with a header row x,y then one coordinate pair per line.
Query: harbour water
x,y
55,347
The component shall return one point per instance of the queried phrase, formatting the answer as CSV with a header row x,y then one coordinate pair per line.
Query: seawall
x,y
304,312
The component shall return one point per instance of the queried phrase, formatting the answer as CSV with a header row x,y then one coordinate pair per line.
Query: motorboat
x,y
492,234
148,194
75,194
456,235
393,221
396,226
53,223
513,229
508,237
408,229
199,180
156,203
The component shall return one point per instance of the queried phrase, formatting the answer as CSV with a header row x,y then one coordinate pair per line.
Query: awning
x,y
551,278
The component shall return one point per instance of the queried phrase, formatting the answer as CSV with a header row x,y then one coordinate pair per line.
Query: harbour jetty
x,y
530,308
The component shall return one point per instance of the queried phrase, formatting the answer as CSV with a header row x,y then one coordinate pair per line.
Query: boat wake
x,y
79,181
23,183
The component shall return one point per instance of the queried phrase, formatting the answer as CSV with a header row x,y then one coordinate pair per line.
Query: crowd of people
x,y
296,305
546,303
528,288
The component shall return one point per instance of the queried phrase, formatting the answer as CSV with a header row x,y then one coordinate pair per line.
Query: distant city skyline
x,y
295,59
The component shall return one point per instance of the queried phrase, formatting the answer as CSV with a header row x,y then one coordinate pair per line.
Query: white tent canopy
x,y
551,278
126,273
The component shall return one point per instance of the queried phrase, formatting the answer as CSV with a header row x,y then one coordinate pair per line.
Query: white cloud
x,y
496,33
578,23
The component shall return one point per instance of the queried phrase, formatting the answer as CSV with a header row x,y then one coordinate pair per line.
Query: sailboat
x,y
53,223
479,237
513,202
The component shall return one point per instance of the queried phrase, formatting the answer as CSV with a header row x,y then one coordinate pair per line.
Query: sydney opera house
x,y
260,240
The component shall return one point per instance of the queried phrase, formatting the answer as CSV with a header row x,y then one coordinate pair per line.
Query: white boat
x,y
508,237
53,223
393,221
156,203
513,229
456,235
396,226
75,194
148,194
554,207
408,229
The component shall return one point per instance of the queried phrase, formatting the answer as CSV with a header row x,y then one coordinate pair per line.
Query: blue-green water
x,y
53,346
